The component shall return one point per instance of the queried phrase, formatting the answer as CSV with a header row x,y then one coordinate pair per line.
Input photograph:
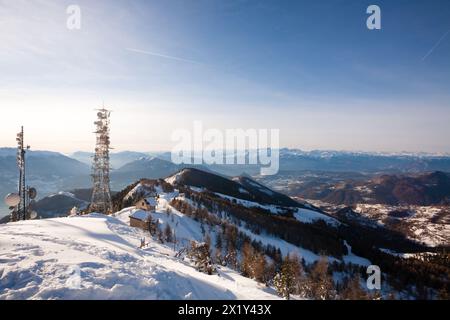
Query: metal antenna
x,y
21,207
21,212
101,193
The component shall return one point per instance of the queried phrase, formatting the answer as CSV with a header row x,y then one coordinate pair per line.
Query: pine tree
x,y
286,281
219,242
208,240
321,285
218,256
247,260
259,267
231,258
201,256
280,286
269,273
159,233
353,290
168,233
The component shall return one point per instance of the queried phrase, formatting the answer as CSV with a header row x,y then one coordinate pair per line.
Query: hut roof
x,y
140,215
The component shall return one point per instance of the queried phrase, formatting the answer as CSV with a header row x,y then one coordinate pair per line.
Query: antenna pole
x,y
101,193
22,207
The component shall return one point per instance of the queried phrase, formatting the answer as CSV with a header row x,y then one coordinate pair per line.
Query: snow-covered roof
x,y
140,215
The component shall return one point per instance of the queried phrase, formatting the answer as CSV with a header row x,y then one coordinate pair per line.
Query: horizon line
x,y
393,153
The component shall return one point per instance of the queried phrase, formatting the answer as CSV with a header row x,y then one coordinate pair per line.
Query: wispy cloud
x,y
436,45
155,54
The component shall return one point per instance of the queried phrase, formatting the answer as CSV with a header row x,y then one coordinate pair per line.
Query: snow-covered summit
x,y
98,257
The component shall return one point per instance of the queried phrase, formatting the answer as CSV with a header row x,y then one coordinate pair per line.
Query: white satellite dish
x,y
32,193
33,215
12,199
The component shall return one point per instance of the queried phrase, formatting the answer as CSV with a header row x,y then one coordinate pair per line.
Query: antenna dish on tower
x,y
12,199
33,215
32,193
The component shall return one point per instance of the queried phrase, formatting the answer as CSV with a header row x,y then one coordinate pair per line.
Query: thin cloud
x,y
162,55
436,45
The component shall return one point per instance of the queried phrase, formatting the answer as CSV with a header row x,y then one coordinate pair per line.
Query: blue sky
x,y
310,68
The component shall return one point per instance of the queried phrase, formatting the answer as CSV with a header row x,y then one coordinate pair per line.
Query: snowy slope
x,y
302,215
186,228
42,260
310,216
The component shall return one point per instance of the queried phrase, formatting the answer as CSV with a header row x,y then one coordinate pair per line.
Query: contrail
x,y
162,55
436,45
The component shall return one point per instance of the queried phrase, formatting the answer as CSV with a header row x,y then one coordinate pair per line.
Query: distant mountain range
x,y
117,159
52,172
48,172
42,163
298,160
417,189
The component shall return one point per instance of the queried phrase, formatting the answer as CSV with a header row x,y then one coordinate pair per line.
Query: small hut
x,y
140,219
146,204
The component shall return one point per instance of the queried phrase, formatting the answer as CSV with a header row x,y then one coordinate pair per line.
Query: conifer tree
x,y
219,242
353,290
259,267
201,256
286,281
269,273
247,260
168,233
321,285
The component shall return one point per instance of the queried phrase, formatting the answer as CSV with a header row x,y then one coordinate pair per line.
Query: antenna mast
x,y
19,203
101,194
22,207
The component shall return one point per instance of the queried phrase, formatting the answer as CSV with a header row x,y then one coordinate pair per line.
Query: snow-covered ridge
x,y
175,178
140,190
63,193
302,215
310,216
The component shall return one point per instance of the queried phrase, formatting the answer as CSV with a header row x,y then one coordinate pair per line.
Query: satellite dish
x,y
33,215
32,193
12,199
